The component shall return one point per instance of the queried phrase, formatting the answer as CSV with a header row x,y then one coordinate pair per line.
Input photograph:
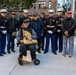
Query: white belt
x,y
59,25
2,27
50,26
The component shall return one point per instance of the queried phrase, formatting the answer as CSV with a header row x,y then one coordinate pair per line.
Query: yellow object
x,y
27,58
26,36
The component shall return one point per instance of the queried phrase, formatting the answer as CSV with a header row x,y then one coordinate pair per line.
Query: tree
x,y
65,4
17,3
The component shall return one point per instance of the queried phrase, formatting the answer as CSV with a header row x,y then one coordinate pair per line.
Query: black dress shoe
x,y
8,52
42,49
60,51
33,57
13,50
45,52
1,54
4,52
55,53
38,51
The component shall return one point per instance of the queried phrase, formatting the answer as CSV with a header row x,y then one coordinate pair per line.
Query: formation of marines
x,y
57,28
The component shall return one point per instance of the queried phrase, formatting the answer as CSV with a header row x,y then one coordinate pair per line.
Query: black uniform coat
x,y
51,24
59,20
3,24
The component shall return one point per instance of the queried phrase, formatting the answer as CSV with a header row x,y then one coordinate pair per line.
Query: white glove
x,y
4,31
58,30
50,32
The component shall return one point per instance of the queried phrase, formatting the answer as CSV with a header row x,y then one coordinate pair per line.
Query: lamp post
x,y
73,7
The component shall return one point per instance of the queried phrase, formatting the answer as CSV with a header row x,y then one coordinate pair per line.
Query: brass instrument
x,y
27,35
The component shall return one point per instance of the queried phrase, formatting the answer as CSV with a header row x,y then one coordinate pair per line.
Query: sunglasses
x,y
3,12
25,13
13,14
69,13
26,22
50,12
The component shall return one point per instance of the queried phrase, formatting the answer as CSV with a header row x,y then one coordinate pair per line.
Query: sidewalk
x,y
50,65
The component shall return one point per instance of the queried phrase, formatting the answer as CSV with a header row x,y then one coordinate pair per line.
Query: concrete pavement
x,y
50,64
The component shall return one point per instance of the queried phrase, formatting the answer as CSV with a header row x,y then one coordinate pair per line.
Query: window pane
x,y
34,6
42,5
49,5
44,2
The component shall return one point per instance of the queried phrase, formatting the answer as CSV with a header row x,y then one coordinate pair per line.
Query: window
x,y
34,5
49,5
42,4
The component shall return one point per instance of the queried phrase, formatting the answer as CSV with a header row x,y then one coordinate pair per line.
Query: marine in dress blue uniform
x,y
3,31
51,32
59,36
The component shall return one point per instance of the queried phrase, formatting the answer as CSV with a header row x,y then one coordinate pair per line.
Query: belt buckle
x,y
59,24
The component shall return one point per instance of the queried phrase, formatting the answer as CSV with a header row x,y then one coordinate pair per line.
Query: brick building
x,y
43,6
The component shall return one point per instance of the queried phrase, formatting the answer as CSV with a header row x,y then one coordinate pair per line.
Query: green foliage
x,y
17,3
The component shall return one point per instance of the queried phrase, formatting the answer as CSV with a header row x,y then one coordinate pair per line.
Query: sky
x,y
61,1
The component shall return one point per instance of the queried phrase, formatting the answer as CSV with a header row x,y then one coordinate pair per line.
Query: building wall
x,y
37,10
